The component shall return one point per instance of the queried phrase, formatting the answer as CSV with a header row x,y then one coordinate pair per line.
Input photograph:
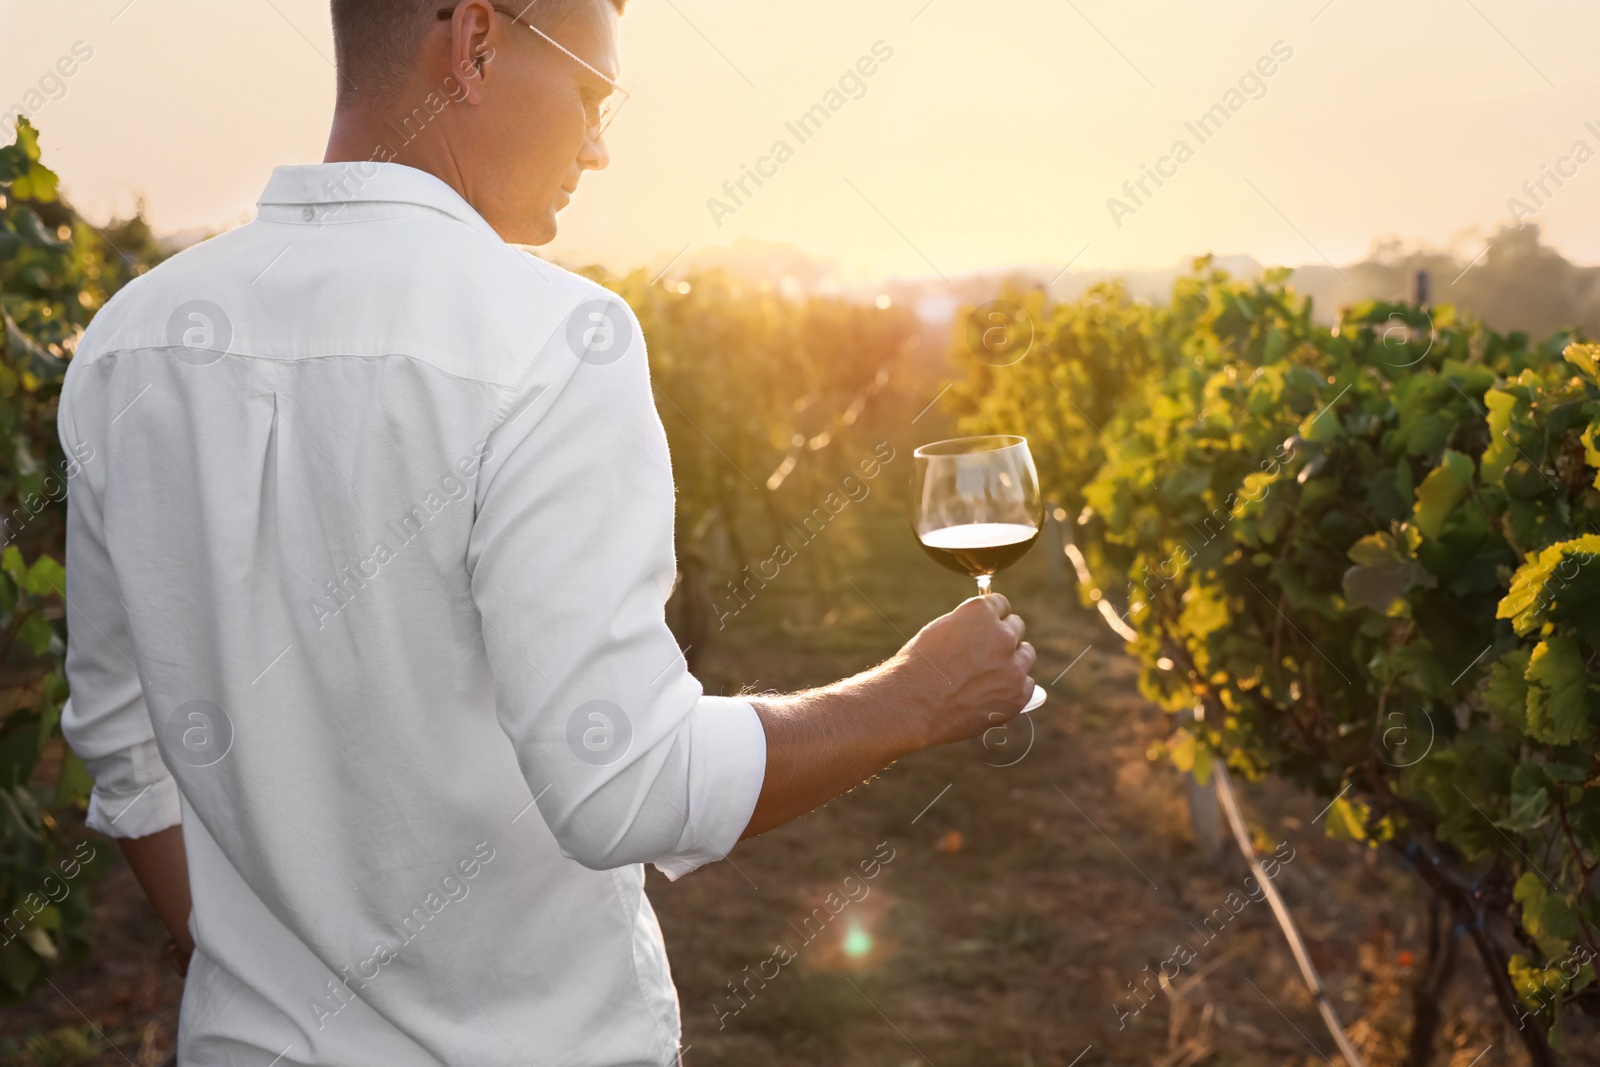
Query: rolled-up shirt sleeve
x,y
571,555
106,720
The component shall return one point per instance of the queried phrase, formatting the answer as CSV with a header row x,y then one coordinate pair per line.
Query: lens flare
x,y
857,942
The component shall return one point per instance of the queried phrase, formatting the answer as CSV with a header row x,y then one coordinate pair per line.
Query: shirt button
x,y
309,213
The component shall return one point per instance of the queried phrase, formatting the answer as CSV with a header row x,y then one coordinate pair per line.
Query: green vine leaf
x,y
1382,576
1558,692
20,167
1505,689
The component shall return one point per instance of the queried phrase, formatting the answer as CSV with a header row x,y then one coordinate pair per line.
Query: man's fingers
x,y
1017,627
997,603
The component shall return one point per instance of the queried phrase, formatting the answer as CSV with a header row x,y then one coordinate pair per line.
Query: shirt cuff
x,y
134,794
727,765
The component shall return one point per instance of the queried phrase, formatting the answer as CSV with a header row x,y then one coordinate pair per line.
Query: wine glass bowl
x,y
976,505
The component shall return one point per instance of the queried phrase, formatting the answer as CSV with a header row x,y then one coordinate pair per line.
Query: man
x,y
366,592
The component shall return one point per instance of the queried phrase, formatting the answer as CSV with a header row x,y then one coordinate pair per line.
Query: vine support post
x,y
1205,810
1291,933
1054,545
1205,819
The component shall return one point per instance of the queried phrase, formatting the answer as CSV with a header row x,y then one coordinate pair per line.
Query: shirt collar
x,y
331,186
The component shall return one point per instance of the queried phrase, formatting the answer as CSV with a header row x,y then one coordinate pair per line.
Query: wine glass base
x,y
1035,700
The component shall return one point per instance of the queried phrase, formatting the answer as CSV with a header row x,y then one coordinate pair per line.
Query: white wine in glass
x,y
976,507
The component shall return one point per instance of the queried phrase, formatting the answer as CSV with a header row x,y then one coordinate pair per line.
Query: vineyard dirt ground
x,y
1019,904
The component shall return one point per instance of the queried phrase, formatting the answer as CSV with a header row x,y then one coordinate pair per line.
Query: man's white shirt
x,y
366,579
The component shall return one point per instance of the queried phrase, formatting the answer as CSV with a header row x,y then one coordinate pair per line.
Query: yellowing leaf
x,y
1347,820
1322,427
1501,453
1549,918
1586,358
1204,611
1591,452
1444,487
1539,582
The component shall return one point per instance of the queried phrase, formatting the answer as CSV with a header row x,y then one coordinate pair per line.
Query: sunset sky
x,y
994,135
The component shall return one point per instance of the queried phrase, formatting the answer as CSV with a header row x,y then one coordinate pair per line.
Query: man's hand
x,y
962,674
161,865
969,669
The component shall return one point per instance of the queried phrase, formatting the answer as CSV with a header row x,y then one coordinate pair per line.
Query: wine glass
x,y
976,507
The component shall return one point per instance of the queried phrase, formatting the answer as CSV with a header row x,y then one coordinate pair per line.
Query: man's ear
x,y
474,30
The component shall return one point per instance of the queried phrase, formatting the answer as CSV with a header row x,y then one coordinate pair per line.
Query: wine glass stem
x,y
983,584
